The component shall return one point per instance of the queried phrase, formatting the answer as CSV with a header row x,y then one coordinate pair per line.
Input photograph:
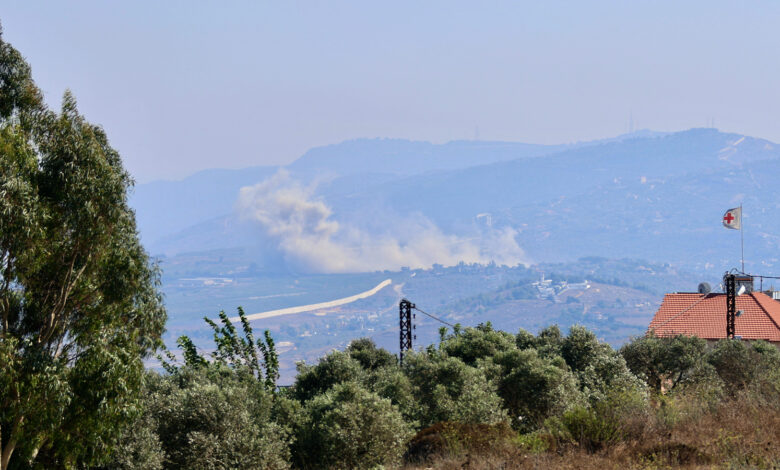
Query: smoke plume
x,y
311,240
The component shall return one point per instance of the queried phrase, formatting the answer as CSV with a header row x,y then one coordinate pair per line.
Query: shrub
x,y
664,360
477,343
619,415
369,356
350,427
207,418
449,390
534,388
453,438
335,368
583,426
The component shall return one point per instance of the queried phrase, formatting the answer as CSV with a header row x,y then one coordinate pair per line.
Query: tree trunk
x,y
7,451
8,448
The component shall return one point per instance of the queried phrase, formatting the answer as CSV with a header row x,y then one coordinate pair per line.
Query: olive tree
x,y
79,300
667,360
534,388
447,389
350,427
211,417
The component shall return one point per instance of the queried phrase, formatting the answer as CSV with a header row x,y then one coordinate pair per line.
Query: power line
x,y
764,277
684,310
434,317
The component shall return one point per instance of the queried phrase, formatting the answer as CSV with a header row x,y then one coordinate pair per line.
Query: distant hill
x,y
403,157
449,195
163,208
166,208
651,195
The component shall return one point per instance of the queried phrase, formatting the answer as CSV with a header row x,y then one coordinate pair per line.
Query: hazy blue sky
x,y
186,85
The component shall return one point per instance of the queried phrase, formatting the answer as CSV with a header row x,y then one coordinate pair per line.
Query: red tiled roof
x,y
705,316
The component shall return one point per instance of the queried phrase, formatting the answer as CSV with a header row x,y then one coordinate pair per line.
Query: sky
x,y
182,86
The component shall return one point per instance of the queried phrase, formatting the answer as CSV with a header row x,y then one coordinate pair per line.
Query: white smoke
x,y
312,241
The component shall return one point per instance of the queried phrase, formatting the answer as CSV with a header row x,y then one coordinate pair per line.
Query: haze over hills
x,y
167,207
652,195
648,205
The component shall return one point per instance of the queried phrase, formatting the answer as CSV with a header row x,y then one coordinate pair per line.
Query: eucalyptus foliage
x,y
79,301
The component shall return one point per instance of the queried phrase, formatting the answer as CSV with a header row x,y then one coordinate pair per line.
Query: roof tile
x,y
704,315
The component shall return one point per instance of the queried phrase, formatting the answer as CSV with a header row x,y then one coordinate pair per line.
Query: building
x,y
704,315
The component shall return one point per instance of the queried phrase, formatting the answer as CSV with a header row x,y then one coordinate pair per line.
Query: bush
x,y
350,427
534,388
583,426
208,419
449,390
664,361
453,438
369,356
477,343
139,448
335,368
621,414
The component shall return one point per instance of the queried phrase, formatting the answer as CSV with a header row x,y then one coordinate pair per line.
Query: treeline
x,y
522,399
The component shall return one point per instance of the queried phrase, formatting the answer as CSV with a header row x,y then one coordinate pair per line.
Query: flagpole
x,y
742,236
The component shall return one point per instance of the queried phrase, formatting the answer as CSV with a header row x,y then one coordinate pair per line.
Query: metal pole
x,y
405,327
731,304
742,236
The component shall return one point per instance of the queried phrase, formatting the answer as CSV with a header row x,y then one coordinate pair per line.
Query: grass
x,y
741,431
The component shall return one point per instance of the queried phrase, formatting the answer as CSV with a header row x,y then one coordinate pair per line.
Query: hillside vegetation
x,y
481,398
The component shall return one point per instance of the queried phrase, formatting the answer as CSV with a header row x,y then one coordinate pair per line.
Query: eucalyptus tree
x,y
79,301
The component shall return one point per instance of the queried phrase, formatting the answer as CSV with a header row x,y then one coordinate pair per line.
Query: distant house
x,y
704,315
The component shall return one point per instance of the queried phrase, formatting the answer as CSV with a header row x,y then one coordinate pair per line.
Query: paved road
x,y
312,307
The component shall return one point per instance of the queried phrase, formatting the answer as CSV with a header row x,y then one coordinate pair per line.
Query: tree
x,y
211,417
370,357
350,427
668,359
548,341
79,300
335,368
232,350
534,388
736,362
599,368
477,343
447,389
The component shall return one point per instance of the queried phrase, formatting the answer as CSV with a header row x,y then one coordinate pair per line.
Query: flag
x,y
733,218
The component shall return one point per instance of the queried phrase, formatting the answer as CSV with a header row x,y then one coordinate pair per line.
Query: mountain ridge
x,y
542,188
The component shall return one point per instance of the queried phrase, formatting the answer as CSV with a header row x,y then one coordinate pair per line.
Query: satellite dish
x,y
739,313
704,288
741,290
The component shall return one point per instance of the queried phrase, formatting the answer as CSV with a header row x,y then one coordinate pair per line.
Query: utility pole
x,y
405,327
731,304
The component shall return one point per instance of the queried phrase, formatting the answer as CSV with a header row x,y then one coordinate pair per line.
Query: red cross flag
x,y
733,218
